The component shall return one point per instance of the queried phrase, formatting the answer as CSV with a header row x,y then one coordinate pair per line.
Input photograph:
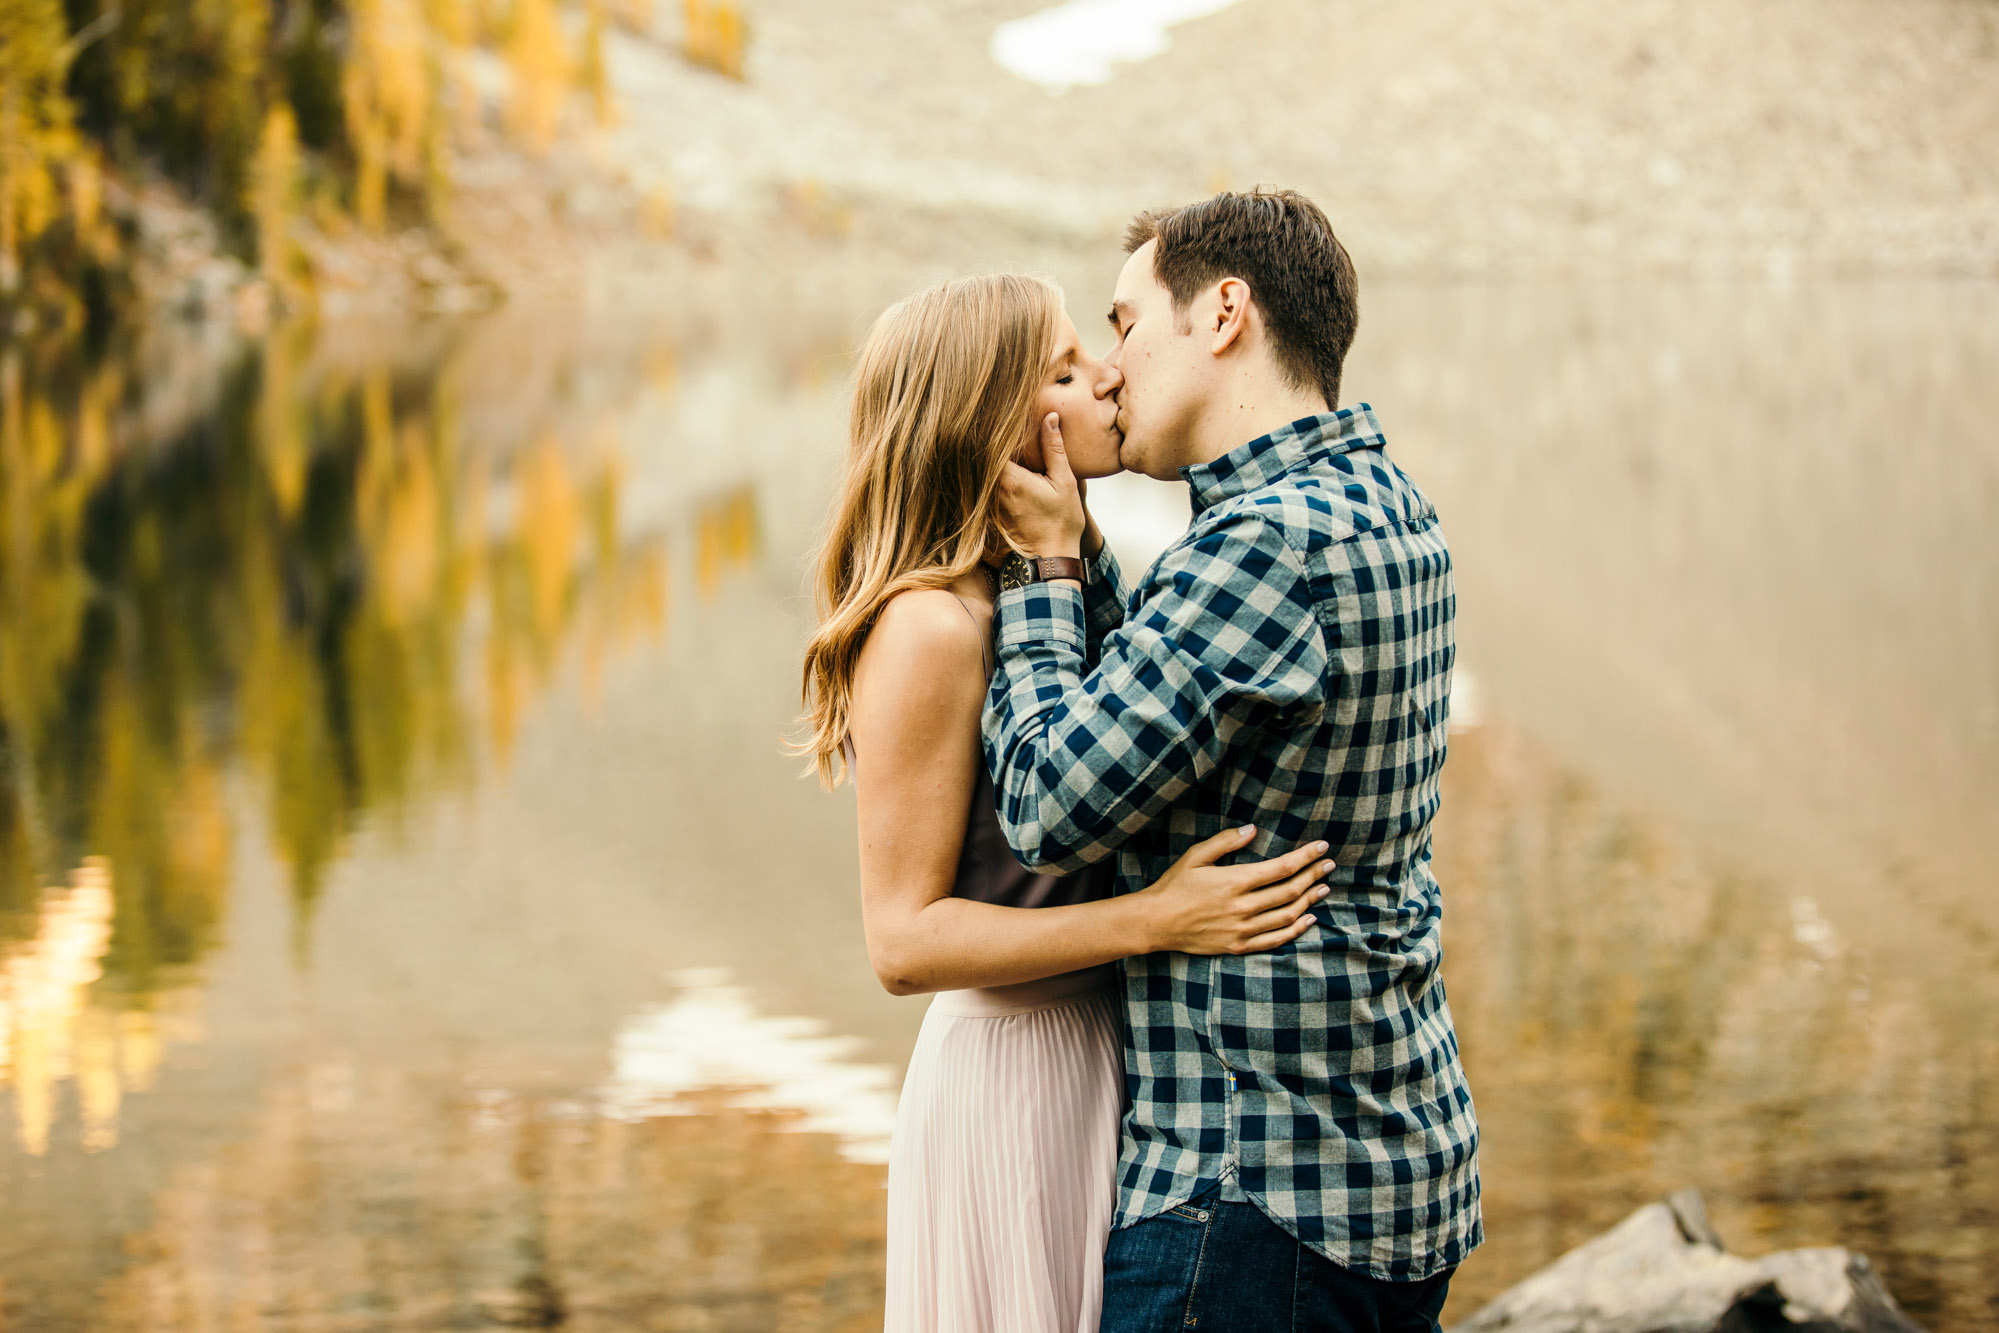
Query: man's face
x,y
1165,368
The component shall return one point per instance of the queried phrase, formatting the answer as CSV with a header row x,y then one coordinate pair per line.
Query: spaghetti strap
x,y
985,638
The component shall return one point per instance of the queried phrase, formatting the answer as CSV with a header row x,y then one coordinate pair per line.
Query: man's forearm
x,y
1073,783
1079,765
1104,599
1038,660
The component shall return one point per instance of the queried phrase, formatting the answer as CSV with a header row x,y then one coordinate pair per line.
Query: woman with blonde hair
x,y
1001,1173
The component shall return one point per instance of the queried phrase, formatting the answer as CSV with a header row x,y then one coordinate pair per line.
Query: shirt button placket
x,y
1230,1145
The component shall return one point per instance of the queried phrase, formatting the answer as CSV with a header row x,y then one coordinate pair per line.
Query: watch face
x,y
1016,571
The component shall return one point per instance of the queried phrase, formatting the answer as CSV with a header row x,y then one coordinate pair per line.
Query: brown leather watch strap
x,y
1059,567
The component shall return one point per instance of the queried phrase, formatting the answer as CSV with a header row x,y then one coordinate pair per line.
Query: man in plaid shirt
x,y
1301,1149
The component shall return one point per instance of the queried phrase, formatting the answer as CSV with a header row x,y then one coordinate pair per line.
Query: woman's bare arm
x,y
918,690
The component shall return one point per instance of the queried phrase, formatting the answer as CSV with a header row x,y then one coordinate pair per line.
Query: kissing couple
x,y
1161,851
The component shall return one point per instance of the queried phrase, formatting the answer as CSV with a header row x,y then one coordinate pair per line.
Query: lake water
x,y
407,919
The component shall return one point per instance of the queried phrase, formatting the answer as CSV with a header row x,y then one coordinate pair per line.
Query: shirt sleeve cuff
x,y
1042,613
1104,595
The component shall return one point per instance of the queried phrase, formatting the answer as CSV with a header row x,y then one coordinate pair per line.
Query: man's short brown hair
x,y
1280,244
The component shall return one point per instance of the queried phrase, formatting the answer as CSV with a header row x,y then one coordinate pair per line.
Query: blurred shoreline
x,y
868,144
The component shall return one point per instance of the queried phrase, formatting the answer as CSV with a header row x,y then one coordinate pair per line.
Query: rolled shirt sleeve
x,y
1104,598
1221,636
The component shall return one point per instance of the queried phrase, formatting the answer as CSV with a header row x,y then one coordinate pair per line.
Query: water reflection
x,y
314,589
53,1031
1714,847
713,1038
1637,1016
280,586
1728,571
363,1199
726,537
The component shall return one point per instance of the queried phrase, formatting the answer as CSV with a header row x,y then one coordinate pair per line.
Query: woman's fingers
x,y
1284,913
1210,851
1277,895
1279,867
1271,939
1207,852
1015,479
1280,934
1252,905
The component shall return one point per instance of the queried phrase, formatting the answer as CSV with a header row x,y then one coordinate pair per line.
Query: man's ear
x,y
1228,316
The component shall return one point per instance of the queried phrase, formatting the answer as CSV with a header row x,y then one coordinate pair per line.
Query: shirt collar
x,y
1287,449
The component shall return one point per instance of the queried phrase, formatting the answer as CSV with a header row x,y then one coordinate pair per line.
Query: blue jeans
x,y
1226,1268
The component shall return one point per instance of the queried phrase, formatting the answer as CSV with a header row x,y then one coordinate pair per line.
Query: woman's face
x,y
1082,391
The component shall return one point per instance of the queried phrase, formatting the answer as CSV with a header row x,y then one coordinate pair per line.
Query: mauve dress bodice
x,y
988,872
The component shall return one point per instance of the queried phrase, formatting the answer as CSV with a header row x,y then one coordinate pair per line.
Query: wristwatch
x,y
1017,571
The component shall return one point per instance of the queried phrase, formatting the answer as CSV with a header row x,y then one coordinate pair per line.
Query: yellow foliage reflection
x,y
297,588
726,537
716,35
541,69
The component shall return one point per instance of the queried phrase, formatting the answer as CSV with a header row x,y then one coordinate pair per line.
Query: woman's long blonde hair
x,y
942,395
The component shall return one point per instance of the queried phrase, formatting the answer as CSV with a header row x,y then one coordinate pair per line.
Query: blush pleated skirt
x,y
1002,1171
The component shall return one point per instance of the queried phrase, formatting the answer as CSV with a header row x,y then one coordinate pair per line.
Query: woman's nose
x,y
1109,379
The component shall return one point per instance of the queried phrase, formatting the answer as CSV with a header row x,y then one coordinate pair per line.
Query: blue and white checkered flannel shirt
x,y
1286,663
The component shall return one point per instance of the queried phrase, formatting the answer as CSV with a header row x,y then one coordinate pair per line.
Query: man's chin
x,y
1130,460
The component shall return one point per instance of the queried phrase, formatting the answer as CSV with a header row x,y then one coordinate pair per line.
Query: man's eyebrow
x,y
1119,310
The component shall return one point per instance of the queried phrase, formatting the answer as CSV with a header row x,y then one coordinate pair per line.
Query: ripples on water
x,y
406,917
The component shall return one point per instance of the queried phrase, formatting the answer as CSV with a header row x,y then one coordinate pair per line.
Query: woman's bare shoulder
x,y
927,622
926,650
